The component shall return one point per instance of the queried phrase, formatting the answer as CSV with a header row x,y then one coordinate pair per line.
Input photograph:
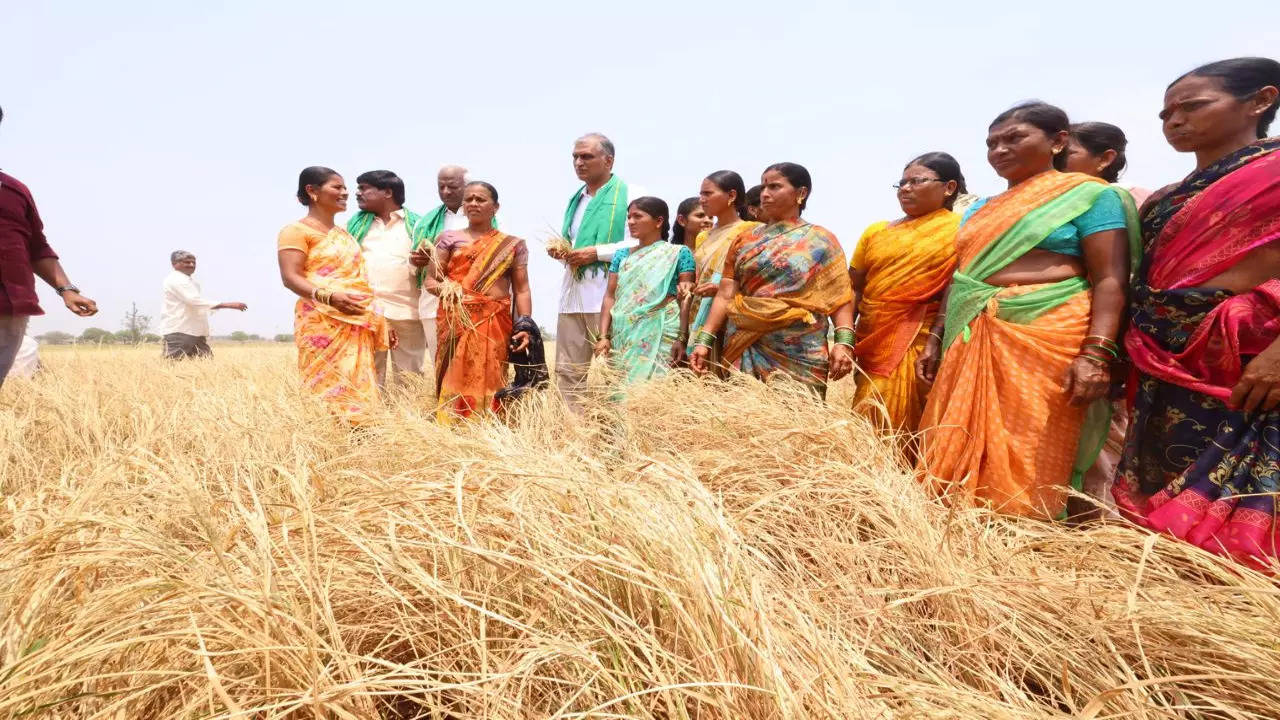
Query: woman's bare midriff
x,y
1256,267
1037,267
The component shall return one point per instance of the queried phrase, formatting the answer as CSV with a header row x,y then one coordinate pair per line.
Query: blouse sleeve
x,y
294,237
685,262
522,254
697,241
1107,213
616,263
730,268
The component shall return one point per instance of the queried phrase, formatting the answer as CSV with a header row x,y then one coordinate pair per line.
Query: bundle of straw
x,y
452,301
558,244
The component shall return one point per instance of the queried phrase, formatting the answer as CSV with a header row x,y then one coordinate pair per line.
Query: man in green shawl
x,y
595,224
388,233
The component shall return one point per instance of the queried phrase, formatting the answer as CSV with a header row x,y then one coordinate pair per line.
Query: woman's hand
x,y
1259,386
677,351
1086,381
393,339
927,363
604,346
698,359
841,361
421,257
706,289
348,303
520,341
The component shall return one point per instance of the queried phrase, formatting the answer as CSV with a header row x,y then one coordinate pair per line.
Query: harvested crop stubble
x,y
194,540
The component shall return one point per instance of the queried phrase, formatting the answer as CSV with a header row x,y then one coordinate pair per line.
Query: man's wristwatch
x,y
65,288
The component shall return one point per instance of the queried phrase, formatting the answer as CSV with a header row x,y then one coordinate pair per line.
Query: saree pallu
x,y
791,276
711,247
646,317
336,350
998,426
1193,467
907,267
471,355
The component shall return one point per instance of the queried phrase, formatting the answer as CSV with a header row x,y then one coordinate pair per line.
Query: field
x,y
198,541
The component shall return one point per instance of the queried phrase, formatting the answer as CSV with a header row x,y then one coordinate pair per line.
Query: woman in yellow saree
x,y
723,197
899,271
337,328
490,270
1029,326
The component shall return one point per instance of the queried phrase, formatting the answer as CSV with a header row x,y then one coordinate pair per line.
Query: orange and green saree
x,y
335,350
471,358
906,265
998,427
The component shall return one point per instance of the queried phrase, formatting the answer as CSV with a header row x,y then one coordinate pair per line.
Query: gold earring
x,y
314,198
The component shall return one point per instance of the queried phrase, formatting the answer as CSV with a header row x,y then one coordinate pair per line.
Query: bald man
x,y
450,182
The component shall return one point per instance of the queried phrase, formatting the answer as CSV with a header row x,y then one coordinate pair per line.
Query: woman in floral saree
x,y
1018,408
1202,455
644,321
489,270
337,328
782,285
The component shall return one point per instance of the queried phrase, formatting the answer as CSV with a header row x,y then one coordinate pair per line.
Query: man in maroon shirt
x,y
24,253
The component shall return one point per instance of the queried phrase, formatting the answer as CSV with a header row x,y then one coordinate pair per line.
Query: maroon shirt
x,y
21,244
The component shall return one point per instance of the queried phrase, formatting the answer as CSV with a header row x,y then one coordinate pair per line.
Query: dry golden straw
x,y
197,540
558,244
453,302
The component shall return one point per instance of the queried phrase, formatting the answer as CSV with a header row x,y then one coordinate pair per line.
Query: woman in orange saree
x,y
899,271
481,274
337,328
1028,326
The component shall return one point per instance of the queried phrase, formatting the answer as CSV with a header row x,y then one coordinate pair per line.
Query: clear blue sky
x,y
143,127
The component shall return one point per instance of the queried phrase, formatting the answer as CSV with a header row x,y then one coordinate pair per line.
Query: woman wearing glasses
x,y
899,271
1029,326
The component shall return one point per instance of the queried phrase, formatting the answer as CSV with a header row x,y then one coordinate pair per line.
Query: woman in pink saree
x,y
1202,455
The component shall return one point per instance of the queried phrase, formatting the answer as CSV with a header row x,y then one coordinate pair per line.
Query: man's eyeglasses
x,y
912,182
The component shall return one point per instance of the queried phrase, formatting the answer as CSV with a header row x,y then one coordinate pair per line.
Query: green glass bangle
x,y
844,336
1114,355
705,338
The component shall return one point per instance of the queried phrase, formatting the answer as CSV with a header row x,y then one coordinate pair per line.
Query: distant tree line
x,y
135,330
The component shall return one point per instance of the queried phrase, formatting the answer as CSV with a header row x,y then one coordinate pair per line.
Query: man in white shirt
x,y
184,315
388,234
595,224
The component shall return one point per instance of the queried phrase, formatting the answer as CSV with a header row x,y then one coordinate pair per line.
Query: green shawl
x,y
603,222
421,229
969,296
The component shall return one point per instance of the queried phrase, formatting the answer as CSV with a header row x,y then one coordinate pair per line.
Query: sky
x,y
145,127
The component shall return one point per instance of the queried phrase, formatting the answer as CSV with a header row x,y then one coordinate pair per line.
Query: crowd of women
x,y
1067,332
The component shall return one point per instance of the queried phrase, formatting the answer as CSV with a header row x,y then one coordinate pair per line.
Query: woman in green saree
x,y
644,321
